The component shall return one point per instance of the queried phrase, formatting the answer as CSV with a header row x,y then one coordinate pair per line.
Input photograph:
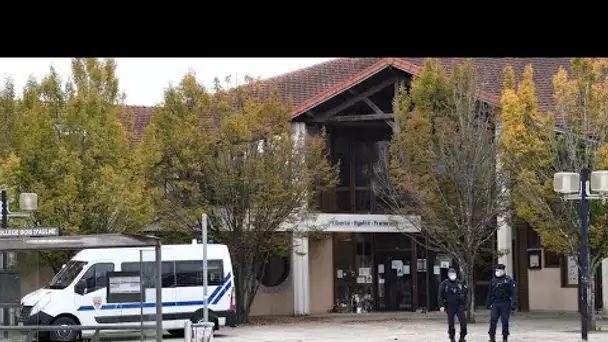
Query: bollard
x,y
203,332
188,331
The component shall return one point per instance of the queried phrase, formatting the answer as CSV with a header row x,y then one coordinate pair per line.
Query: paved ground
x,y
395,327
411,331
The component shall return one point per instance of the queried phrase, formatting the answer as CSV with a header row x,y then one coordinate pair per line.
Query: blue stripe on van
x,y
214,298
222,293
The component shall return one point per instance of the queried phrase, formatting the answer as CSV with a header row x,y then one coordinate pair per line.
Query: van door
x,y
132,312
90,296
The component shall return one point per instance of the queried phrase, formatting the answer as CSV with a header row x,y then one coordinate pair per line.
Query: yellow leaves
x,y
601,157
243,163
532,150
9,170
509,81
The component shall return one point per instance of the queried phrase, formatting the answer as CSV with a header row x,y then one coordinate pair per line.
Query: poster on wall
x,y
436,270
396,264
572,271
380,268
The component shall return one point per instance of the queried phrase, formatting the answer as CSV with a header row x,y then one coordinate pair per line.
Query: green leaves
x,y
70,147
234,155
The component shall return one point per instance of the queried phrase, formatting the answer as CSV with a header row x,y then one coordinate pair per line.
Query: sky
x,y
144,79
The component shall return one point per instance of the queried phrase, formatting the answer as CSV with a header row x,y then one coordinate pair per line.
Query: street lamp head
x,y
566,183
599,181
28,201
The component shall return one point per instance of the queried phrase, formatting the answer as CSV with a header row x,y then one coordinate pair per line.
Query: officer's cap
x,y
500,267
451,270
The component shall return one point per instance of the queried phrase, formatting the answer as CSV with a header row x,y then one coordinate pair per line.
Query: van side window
x,y
96,277
190,273
179,273
148,271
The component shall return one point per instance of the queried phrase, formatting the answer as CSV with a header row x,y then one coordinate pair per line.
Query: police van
x,y
77,295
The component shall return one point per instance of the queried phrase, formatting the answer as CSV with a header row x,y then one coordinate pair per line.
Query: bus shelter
x,y
56,243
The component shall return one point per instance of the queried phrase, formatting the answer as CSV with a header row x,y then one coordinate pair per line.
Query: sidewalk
x,y
482,316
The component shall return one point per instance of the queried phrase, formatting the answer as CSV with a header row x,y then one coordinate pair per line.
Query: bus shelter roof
x,y
48,243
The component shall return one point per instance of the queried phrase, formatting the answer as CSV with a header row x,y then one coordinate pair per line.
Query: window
x,y
179,273
275,271
67,275
149,270
96,277
533,238
190,273
344,170
363,201
343,201
552,259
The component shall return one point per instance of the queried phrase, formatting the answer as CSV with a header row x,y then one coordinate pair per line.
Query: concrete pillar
x,y
605,285
299,256
300,276
504,235
504,238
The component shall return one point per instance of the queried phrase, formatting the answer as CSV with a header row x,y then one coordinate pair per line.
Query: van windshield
x,y
67,274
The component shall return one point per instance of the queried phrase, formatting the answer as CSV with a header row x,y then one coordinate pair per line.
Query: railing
x,y
31,330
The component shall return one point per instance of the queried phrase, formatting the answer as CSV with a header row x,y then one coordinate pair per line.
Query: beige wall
x,y
546,293
321,275
279,300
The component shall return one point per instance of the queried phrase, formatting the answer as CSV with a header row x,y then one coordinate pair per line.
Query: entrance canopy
x,y
48,243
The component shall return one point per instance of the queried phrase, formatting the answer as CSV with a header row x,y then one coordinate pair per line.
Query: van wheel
x,y
198,318
64,335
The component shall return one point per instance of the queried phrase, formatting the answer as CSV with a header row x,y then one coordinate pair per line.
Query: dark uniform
x,y
453,296
502,299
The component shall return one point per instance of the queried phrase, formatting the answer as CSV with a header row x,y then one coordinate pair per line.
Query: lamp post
x,y
28,203
578,186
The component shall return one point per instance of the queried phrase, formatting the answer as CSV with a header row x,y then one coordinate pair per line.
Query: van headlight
x,y
40,305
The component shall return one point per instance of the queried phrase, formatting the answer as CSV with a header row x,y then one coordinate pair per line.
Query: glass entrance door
x,y
394,281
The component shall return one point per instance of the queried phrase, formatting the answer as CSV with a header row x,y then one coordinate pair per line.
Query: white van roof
x,y
214,251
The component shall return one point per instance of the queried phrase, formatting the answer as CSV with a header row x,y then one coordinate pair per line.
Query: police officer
x,y
453,296
501,301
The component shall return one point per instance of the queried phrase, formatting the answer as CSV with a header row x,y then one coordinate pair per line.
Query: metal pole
x,y
5,311
159,293
205,268
584,254
4,210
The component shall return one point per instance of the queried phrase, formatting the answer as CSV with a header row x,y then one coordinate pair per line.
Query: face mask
x,y
452,276
499,273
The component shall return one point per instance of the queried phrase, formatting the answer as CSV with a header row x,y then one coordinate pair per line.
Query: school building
x,y
362,250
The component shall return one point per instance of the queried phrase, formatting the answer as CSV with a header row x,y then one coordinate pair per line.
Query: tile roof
x,y
315,82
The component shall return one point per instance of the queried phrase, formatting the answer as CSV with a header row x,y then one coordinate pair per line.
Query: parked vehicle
x,y
77,295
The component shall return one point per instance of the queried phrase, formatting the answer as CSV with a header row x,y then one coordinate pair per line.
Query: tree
x,y
232,155
570,137
7,117
443,165
70,146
